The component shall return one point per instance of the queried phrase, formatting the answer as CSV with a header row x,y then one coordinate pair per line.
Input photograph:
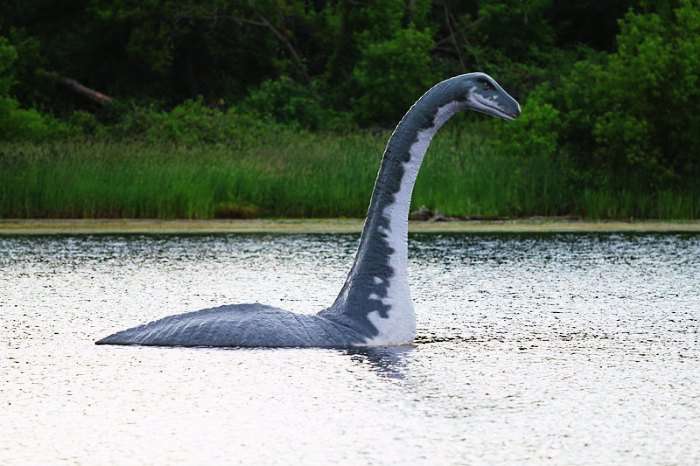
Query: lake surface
x,y
551,350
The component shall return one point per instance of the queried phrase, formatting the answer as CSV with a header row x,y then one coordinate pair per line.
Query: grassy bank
x,y
292,174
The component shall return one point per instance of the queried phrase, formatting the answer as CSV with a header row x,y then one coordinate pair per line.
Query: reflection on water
x,y
385,361
556,349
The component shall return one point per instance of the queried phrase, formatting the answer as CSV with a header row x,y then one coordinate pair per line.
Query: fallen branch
x,y
80,89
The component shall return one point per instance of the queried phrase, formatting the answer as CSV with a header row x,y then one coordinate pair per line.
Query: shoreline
x,y
332,225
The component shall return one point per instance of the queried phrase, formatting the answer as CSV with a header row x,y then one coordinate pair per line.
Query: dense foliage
x,y
610,89
17,123
367,58
632,113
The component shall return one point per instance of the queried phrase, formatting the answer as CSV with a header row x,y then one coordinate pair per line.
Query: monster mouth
x,y
491,107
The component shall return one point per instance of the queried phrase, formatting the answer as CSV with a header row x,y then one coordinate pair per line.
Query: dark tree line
x,y
351,54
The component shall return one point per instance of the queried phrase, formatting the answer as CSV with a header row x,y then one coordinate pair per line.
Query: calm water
x,y
548,350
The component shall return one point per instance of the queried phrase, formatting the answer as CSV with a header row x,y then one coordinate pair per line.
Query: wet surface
x,y
551,349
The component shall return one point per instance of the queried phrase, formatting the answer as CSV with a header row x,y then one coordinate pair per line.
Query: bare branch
x,y
292,51
448,21
263,22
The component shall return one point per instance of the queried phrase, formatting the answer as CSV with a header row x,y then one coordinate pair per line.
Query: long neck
x,y
385,232
378,280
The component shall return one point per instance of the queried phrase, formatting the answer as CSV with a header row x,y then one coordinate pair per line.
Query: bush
x,y
635,114
16,123
288,102
392,74
190,123
84,123
534,133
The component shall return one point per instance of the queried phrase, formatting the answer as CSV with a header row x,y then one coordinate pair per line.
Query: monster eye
x,y
487,86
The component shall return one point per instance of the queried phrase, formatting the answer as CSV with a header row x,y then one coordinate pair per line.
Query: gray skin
x,y
366,291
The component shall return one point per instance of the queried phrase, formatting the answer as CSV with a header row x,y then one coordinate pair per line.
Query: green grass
x,y
291,174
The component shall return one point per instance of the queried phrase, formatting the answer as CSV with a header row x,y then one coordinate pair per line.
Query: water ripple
x,y
531,349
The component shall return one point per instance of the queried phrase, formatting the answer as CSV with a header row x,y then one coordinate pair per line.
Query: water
x,y
549,350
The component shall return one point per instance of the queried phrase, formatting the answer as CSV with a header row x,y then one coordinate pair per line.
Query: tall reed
x,y
293,174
